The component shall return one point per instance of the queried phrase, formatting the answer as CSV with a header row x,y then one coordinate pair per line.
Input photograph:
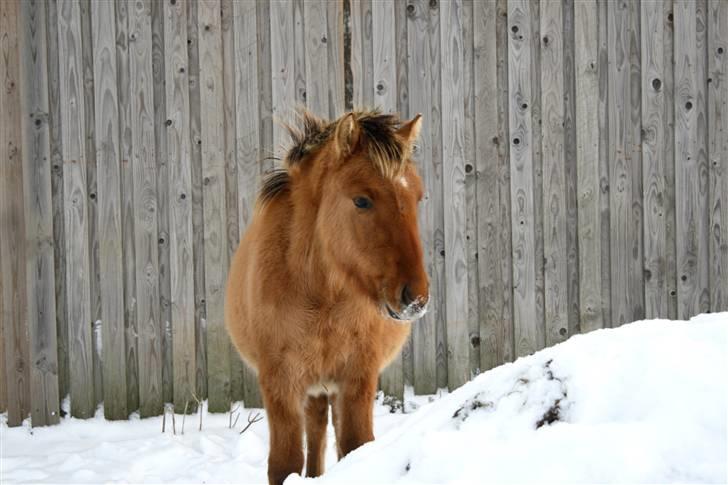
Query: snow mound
x,y
643,403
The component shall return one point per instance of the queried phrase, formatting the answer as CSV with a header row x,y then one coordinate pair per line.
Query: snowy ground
x,y
644,403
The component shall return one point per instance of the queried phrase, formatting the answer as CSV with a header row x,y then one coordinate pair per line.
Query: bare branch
x,y
251,421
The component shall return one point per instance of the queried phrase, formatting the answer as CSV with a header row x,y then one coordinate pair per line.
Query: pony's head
x,y
356,180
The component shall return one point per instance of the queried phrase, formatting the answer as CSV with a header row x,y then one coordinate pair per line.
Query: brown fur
x,y
309,286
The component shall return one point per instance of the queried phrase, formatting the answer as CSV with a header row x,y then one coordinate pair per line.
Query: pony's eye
x,y
363,202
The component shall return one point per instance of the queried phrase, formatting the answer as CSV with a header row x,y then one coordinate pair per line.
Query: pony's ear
x,y
346,135
409,131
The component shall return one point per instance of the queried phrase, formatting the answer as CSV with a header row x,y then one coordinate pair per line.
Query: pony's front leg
x,y
355,405
285,421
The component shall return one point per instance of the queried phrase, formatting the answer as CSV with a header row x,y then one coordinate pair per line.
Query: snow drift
x,y
643,403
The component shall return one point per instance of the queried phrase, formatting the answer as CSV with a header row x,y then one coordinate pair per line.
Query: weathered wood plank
x,y
213,172
471,212
282,71
625,172
38,214
669,156
231,169
76,225
197,215
570,171
486,160
54,122
181,256
529,335
653,162
265,86
690,171
356,60
420,75
587,153
127,205
108,159
93,233
718,152
160,154
554,180
316,57
145,208
335,45
3,385
453,120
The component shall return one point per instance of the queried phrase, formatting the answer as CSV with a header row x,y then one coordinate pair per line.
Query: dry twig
x,y
251,421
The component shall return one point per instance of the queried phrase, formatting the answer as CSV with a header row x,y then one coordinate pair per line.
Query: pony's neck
x,y
305,253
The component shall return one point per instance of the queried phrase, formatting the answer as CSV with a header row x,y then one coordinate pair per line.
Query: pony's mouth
x,y
413,311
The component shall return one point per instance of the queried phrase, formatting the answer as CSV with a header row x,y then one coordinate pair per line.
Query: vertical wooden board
x,y
535,108
12,244
703,210
282,71
76,225
265,86
38,215
127,205
718,152
213,172
604,162
145,208
587,155
420,74
248,139
438,228
453,126
402,76
485,94
384,69
316,57
54,122
669,160
231,168
554,179
507,347
357,61
625,168
335,44
528,333
160,154
653,162
471,212
3,385
570,171
384,92
181,269
108,159
299,53
197,215
689,196
92,194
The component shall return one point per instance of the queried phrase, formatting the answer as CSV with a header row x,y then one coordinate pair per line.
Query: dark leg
x,y
317,414
285,421
355,406
336,419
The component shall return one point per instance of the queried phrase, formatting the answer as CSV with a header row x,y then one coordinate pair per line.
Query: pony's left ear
x,y
346,135
409,131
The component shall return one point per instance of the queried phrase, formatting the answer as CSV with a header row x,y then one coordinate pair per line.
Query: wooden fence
x,y
575,155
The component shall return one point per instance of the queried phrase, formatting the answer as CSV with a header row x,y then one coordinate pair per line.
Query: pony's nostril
x,y
407,297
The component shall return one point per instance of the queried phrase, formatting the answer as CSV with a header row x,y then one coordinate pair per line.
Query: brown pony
x,y
326,280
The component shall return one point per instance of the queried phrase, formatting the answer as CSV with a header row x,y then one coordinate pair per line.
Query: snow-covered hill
x,y
644,403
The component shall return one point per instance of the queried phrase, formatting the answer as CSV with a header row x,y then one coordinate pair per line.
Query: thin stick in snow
x,y
251,421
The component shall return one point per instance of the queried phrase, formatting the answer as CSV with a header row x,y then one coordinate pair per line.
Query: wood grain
x,y
76,224
145,208
213,181
181,274
590,237
108,159
528,335
718,152
38,214
554,180
316,57
282,72
453,119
